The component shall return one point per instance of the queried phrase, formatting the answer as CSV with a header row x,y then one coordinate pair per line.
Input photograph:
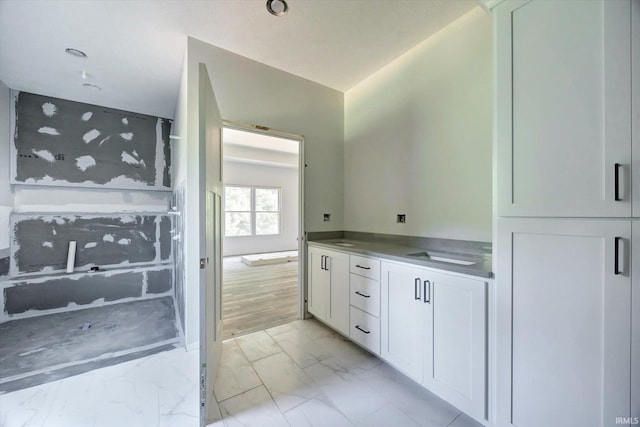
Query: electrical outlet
x,y
326,217
401,218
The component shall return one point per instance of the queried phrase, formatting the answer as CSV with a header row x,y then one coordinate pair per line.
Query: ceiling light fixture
x,y
75,52
277,7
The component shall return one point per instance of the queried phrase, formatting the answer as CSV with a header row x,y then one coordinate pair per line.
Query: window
x,y
251,211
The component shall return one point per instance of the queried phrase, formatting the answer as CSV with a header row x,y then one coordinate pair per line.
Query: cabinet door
x,y
456,370
563,108
318,284
635,100
563,322
635,319
402,317
338,298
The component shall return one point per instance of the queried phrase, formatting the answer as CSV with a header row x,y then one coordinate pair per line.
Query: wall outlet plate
x,y
326,217
401,218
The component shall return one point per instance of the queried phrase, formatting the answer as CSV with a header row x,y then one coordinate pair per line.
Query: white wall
x,y
251,92
286,178
418,138
6,197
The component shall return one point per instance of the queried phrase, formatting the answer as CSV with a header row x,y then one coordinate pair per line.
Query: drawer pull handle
x,y
362,295
364,268
616,183
362,330
416,289
427,292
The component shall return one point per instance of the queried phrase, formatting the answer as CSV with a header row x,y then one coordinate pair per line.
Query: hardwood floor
x,y
258,297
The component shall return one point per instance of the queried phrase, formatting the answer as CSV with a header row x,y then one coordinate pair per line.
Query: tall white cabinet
x,y
568,346
564,322
563,108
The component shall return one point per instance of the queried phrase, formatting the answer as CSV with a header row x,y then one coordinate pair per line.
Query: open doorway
x,y
262,257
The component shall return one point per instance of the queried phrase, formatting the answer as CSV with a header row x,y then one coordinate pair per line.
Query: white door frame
x,y
246,127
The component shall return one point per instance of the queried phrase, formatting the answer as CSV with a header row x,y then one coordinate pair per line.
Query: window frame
x,y
252,212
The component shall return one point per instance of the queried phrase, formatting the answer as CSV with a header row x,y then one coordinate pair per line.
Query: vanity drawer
x,y
365,329
365,294
367,267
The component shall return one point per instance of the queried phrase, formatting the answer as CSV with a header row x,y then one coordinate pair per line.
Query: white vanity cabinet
x,y
328,293
364,298
434,330
428,323
456,369
404,315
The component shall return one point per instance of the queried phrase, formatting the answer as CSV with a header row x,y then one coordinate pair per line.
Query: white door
x,y
402,317
211,190
457,368
563,108
563,322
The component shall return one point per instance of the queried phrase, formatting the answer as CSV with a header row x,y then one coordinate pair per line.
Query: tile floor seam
x,y
263,357
243,392
455,418
273,399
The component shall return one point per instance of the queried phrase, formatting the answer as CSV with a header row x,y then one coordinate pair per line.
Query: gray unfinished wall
x,y
81,172
64,142
40,242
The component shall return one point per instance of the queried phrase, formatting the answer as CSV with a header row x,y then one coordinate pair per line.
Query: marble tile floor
x,y
160,390
298,374
303,374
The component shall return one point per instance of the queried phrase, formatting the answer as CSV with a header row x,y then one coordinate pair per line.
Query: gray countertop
x,y
459,260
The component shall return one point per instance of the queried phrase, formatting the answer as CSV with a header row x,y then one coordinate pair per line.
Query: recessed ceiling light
x,y
75,52
91,86
277,7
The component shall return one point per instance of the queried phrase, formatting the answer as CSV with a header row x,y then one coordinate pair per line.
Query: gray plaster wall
x,y
37,296
40,242
64,142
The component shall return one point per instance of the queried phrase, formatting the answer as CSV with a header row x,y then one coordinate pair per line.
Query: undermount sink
x,y
346,245
442,258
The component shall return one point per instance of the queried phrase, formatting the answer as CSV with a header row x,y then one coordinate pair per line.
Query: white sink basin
x,y
451,260
442,258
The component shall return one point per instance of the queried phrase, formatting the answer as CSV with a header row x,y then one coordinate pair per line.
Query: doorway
x,y
262,228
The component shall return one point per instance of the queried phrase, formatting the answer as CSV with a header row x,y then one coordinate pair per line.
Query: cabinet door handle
x,y
362,295
427,292
362,330
616,256
322,262
616,179
364,268
416,289
326,262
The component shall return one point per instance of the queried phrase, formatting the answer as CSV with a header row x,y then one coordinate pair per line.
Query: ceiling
x,y
136,48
